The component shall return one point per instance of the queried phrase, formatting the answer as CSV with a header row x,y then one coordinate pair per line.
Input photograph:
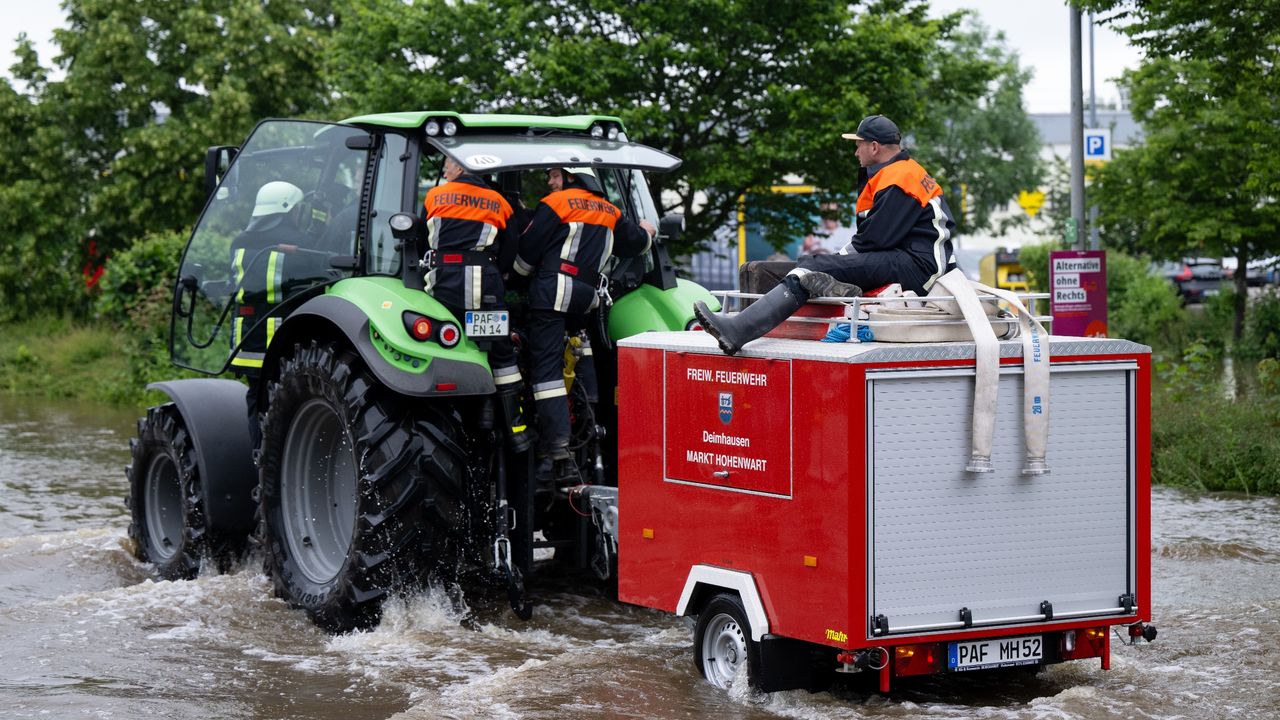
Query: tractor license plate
x,y
488,323
1004,652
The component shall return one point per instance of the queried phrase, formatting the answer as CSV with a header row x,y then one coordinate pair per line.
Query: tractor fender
x,y
649,308
703,581
333,317
216,415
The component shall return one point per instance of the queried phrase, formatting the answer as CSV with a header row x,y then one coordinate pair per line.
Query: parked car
x,y
1195,278
1261,272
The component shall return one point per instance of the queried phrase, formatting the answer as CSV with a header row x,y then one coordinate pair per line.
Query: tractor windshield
x,y
288,204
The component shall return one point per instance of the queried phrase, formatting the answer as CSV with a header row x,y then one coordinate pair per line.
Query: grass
x,y
57,357
1209,442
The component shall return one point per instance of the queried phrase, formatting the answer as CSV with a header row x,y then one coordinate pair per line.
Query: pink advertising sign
x,y
1078,282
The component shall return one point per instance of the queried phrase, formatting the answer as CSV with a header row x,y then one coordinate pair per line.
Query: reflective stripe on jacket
x,y
571,237
466,215
901,207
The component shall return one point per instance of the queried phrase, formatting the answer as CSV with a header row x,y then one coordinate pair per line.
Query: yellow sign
x,y
1031,201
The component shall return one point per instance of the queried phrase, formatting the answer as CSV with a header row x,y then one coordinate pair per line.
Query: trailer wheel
x,y
358,492
722,642
166,501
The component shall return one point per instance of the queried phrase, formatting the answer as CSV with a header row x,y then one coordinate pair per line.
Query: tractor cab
x,y
253,259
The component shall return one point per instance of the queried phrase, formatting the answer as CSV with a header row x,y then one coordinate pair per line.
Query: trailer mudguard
x,y
650,308
368,313
704,580
216,416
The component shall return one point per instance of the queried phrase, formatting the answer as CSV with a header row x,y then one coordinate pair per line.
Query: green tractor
x,y
373,463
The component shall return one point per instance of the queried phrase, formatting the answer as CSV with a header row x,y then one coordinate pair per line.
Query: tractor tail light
x,y
419,326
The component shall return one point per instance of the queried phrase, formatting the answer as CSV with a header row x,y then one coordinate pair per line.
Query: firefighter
x,y
573,233
903,236
260,257
467,224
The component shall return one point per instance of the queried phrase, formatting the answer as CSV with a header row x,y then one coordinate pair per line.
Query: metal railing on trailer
x,y
854,310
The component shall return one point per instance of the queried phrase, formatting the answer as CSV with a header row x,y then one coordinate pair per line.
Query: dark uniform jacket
x,y
266,266
466,224
573,234
900,207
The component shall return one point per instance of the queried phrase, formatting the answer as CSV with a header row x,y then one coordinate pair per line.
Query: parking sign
x,y
1097,144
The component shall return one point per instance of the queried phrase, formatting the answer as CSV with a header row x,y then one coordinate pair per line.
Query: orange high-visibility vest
x,y
909,175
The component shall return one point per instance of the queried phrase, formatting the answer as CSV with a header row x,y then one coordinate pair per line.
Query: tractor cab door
x,y
281,225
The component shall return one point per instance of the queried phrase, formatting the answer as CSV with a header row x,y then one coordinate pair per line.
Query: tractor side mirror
x,y
217,160
671,227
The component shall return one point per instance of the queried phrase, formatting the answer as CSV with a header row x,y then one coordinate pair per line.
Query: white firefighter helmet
x,y
276,198
585,177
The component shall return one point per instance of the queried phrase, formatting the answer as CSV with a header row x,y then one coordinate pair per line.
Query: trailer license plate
x,y
1004,652
489,323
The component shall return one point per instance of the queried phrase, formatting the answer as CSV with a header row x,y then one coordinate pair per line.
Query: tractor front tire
x,y
166,497
358,490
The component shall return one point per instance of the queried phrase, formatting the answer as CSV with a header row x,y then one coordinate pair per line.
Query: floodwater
x,y
84,632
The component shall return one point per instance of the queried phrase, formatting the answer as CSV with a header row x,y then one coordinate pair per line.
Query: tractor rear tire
x,y
166,497
359,490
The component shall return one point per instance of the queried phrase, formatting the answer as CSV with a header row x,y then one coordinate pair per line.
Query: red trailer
x,y
808,502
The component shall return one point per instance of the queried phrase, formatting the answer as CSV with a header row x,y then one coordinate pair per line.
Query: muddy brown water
x,y
85,632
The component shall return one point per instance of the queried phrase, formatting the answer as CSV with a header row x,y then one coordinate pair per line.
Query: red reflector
x,y
446,386
569,269
452,258
421,329
246,310
449,335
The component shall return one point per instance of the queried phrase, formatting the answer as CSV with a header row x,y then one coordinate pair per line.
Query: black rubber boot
x,y
513,422
820,284
762,316
555,467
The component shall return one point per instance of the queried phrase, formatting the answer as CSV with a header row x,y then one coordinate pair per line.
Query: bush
x,y
133,275
1262,328
1141,306
1269,376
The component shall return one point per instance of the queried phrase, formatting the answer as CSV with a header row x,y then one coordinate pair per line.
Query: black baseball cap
x,y
876,128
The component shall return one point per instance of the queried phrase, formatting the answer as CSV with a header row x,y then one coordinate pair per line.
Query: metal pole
x,y
1075,236
1094,242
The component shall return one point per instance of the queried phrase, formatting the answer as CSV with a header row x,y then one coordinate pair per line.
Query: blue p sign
x,y
1097,144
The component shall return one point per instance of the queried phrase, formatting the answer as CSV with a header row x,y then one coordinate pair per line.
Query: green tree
x,y
114,149
1205,179
747,92
983,149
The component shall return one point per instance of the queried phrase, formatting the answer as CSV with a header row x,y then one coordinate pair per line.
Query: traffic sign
x,y
1097,144
1031,201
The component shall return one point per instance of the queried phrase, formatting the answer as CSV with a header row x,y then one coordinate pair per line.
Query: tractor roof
x,y
483,120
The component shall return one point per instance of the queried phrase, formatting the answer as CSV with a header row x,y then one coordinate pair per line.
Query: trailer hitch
x,y
875,658
1141,630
